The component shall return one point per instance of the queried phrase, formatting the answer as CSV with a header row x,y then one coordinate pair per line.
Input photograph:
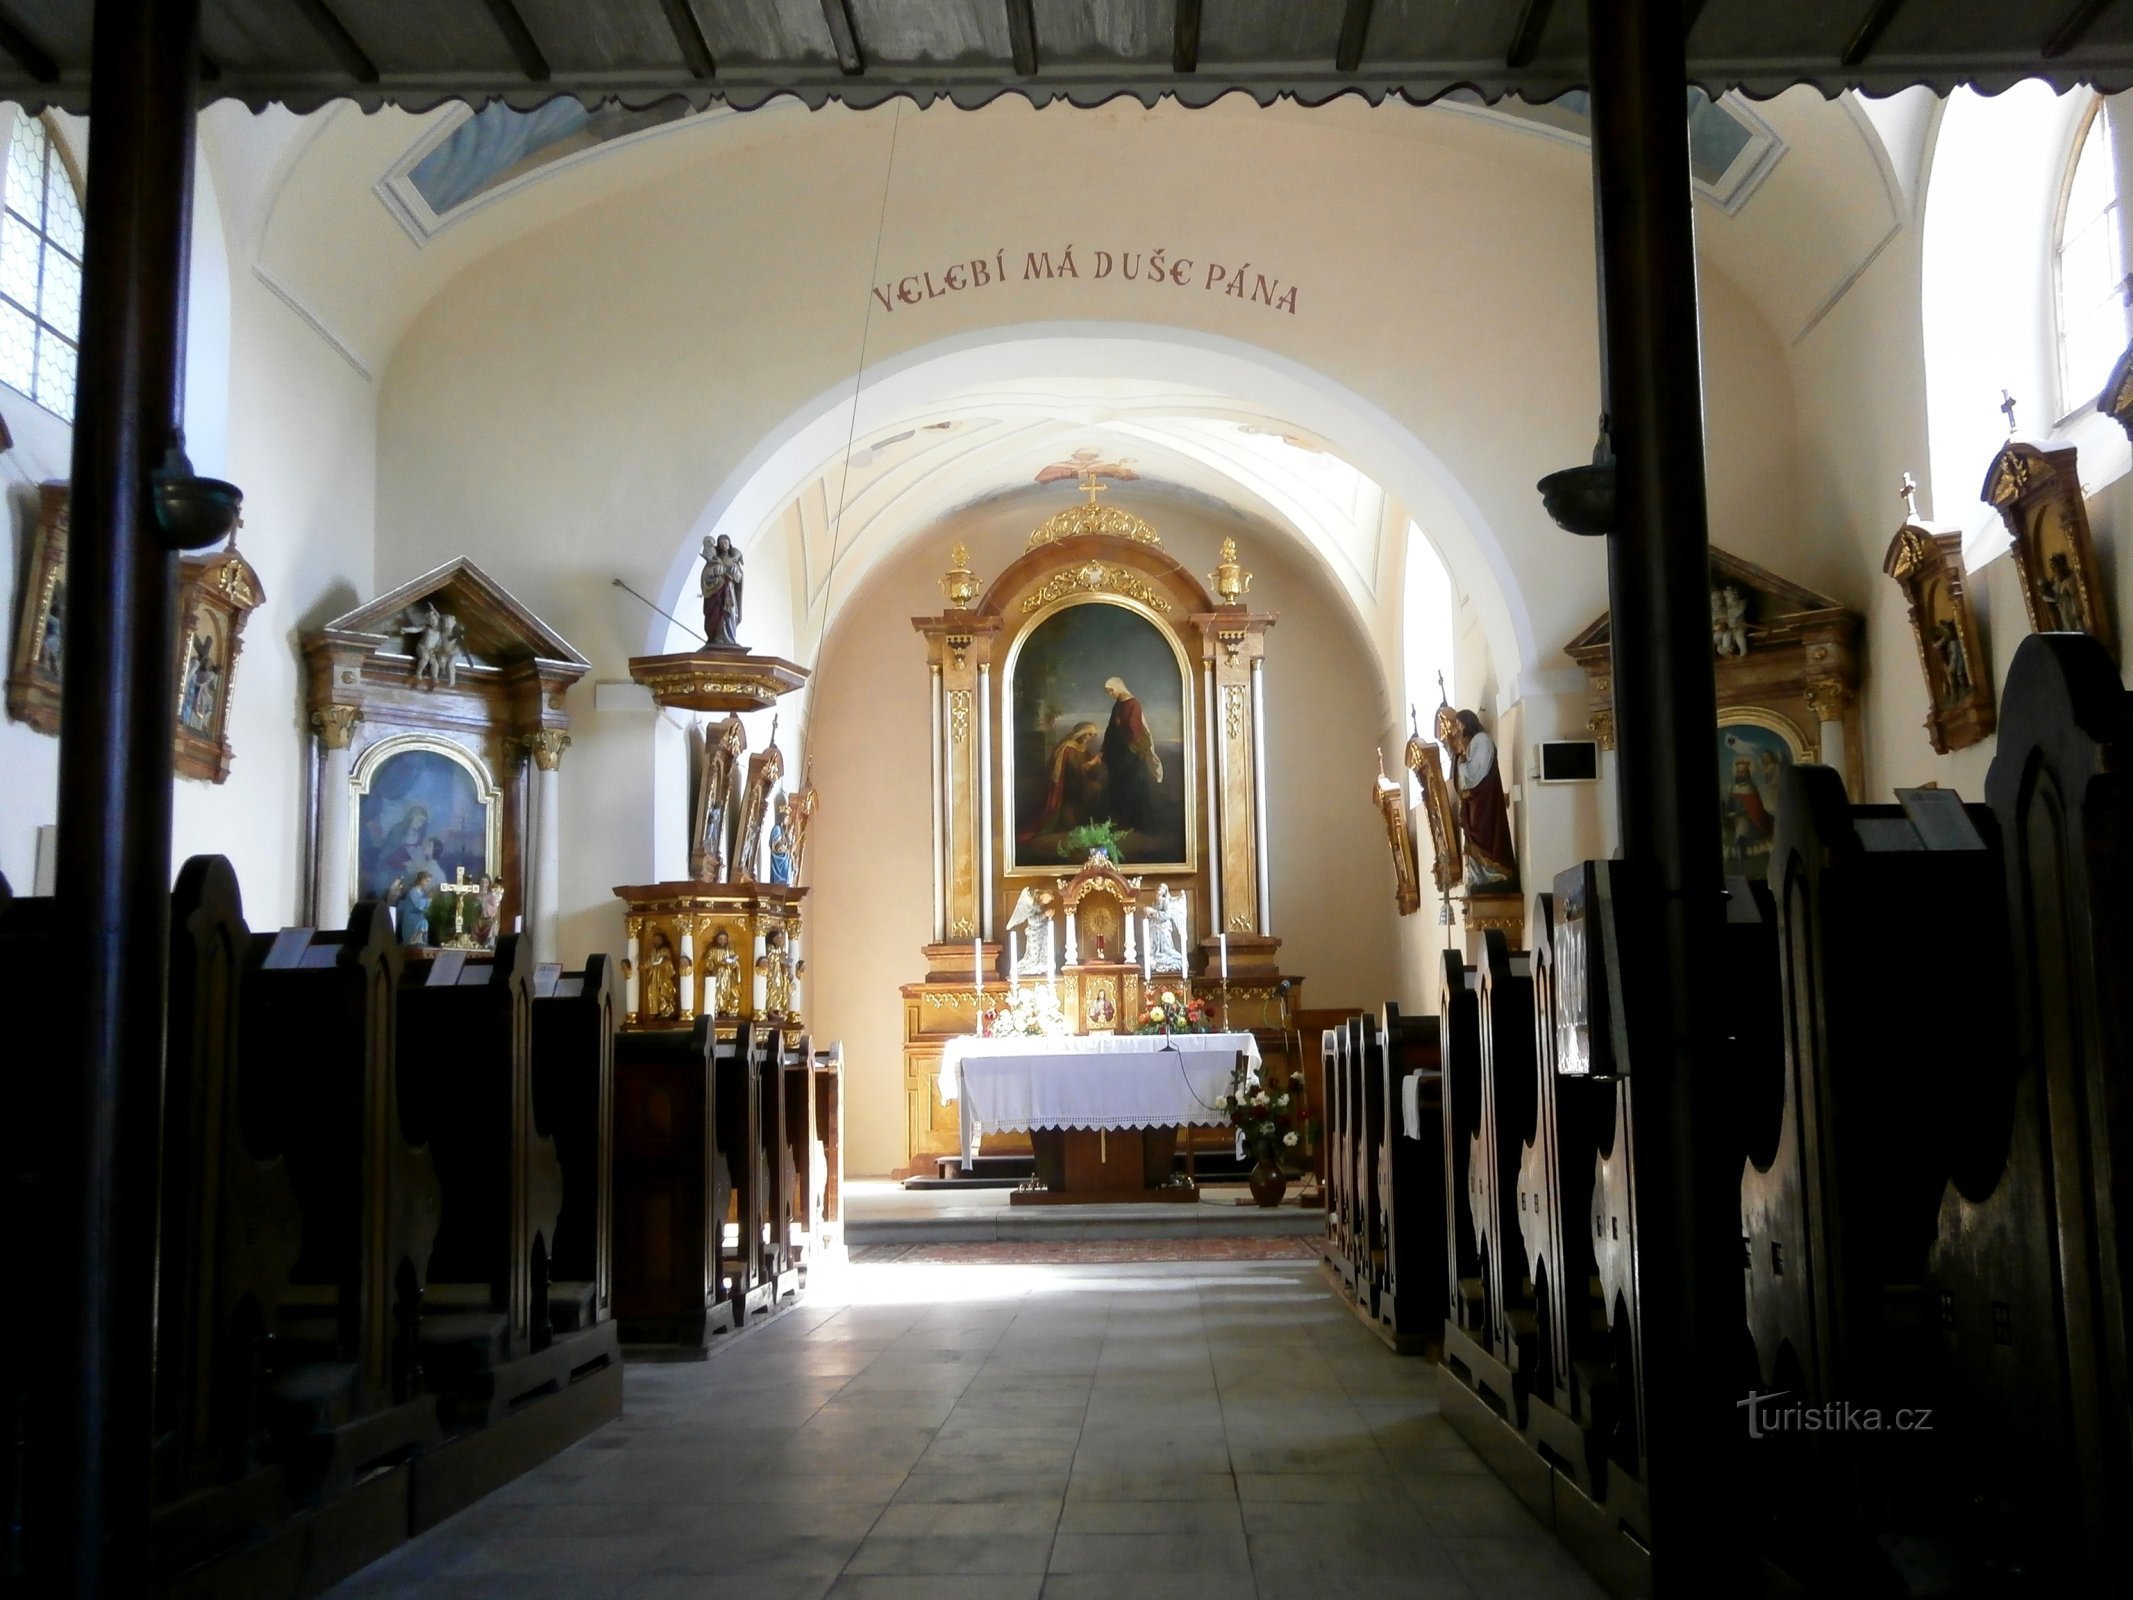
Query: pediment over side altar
x,y
1780,652
498,631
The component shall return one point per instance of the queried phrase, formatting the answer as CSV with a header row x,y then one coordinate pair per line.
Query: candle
x,y
1073,956
688,973
1145,961
977,967
1051,951
1222,945
1014,960
629,984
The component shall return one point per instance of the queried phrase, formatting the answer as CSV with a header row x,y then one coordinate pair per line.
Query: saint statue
x,y
722,594
1075,793
717,770
1953,658
440,643
1132,766
2061,594
781,867
1165,935
1032,919
660,992
1484,813
722,975
1729,621
780,973
414,913
201,684
53,645
491,900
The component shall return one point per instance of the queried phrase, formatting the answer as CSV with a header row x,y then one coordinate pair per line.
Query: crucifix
x,y
459,889
1089,485
2007,408
1909,492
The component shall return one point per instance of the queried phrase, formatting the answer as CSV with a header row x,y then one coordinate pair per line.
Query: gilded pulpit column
x,y
959,645
1232,673
333,884
545,903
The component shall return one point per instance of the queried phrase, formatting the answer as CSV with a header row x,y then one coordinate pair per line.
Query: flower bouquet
x,y
1032,1012
1171,1013
1269,1117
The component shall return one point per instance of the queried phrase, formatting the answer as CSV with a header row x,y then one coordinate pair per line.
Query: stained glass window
x,y
2092,271
40,271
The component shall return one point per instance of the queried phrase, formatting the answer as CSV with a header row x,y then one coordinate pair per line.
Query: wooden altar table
x,y
1102,1110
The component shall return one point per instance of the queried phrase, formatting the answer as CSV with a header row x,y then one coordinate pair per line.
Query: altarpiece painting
x,y
1099,710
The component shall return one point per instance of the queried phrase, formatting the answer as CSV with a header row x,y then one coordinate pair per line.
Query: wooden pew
x,y
766,1215
826,1185
1846,1158
1364,1064
230,1238
573,1094
1410,1166
686,1120
1339,1246
2032,1270
349,1388
1459,1024
488,1335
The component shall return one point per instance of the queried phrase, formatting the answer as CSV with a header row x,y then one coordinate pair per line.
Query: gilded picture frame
x,y
1391,800
1049,696
33,678
1425,760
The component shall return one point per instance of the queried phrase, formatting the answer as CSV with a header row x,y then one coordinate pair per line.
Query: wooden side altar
x,y
1094,706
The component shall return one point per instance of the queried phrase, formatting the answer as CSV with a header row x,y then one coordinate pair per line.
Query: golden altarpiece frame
x,y
1926,560
217,591
1003,783
1785,662
439,714
2036,488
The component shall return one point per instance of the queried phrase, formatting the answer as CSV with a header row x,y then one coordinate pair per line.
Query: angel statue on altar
x,y
1165,936
1031,921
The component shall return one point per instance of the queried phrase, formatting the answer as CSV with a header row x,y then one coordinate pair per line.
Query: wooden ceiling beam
x,y
837,14
1868,34
1185,37
1355,34
1526,37
32,57
352,57
1022,36
2071,32
524,47
689,37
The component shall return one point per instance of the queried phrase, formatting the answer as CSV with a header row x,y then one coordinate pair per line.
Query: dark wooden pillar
x,y
89,1528
1687,1160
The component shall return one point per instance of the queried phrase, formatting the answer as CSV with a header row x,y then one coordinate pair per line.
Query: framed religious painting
x,y
215,595
1756,748
1098,746
423,804
41,617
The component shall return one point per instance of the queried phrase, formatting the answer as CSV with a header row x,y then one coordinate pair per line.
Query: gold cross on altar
x,y
459,889
1089,485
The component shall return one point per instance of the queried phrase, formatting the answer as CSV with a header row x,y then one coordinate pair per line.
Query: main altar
x,y
1099,829
1102,1111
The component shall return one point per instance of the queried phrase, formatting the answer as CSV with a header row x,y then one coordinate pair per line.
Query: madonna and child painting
x,y
1098,707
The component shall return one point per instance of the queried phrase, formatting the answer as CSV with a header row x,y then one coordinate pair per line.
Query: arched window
x,y
2091,267
40,271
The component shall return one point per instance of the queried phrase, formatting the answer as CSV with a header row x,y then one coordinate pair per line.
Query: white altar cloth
x,y
1090,1081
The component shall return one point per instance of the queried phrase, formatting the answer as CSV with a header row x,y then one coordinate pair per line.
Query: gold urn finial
x,y
959,583
1230,580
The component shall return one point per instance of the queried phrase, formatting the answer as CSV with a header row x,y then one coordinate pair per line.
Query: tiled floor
x,y
1011,1433
878,1211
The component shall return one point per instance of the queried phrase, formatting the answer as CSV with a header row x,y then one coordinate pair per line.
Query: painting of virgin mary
x,y
422,812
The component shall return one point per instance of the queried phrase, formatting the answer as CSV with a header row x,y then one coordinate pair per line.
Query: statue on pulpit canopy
x,y
781,842
1484,813
721,586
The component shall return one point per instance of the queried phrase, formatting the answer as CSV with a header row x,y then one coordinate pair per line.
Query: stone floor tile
x,y
1132,1555
983,1488
1211,1518
936,1586
953,1554
1534,1567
